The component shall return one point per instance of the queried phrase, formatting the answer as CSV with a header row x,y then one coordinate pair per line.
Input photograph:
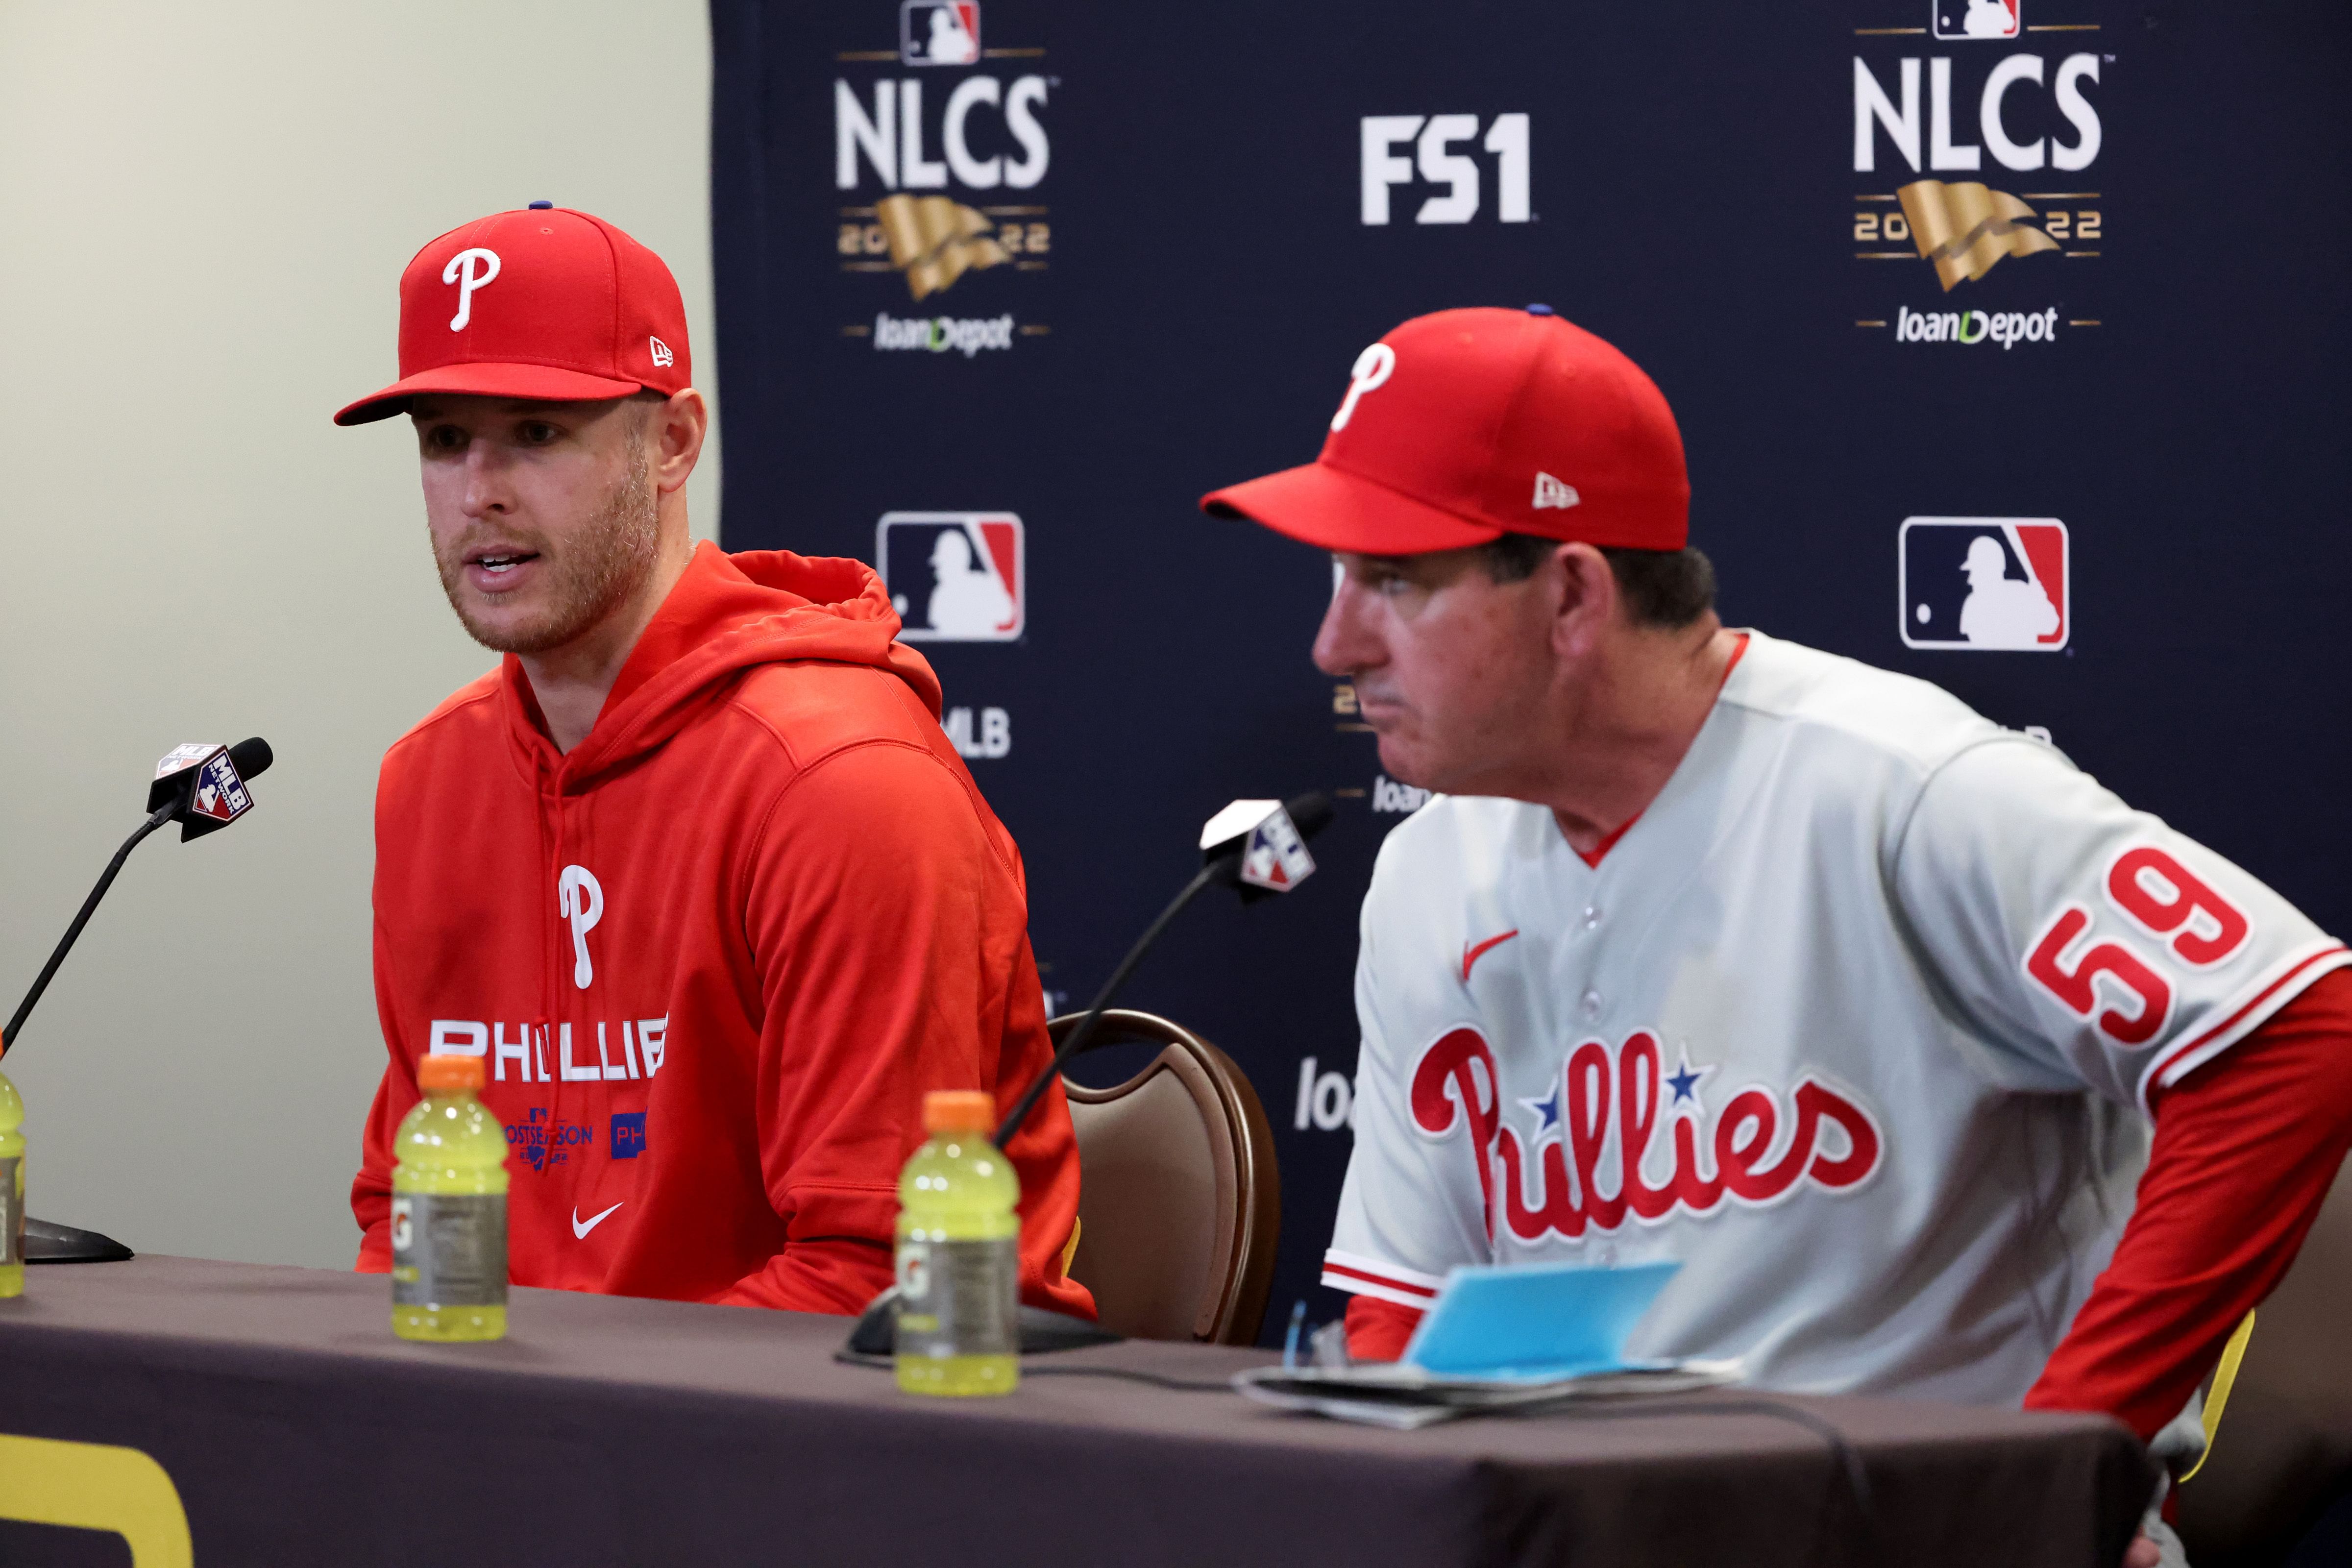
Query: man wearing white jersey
x,y
1717,948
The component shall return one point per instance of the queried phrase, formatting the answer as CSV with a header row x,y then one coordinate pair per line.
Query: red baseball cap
x,y
545,304
1461,426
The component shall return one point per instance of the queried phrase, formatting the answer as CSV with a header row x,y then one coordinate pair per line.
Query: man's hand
x,y
2142,1553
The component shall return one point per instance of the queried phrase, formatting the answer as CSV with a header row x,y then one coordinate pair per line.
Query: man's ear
x,y
680,425
1584,598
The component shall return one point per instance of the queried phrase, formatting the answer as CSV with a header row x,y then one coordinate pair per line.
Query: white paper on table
x,y
1403,1397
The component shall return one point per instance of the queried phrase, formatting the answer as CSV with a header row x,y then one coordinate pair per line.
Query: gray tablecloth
x,y
605,1431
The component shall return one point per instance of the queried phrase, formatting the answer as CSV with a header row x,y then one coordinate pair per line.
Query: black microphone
x,y
1259,846
203,783
200,785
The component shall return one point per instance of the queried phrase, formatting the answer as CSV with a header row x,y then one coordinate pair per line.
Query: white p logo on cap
x,y
461,271
1373,368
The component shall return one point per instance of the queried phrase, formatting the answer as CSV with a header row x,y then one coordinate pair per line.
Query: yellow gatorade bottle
x,y
12,1190
958,1255
449,1210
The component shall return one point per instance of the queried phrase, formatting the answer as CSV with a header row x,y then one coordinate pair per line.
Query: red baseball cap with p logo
x,y
1461,426
541,303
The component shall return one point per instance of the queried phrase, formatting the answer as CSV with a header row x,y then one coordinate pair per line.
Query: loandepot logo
x,y
2007,328
939,334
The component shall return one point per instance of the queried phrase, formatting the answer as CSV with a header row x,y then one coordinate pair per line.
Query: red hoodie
x,y
764,908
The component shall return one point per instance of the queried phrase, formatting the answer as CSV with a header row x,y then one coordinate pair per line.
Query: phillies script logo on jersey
x,y
1612,1103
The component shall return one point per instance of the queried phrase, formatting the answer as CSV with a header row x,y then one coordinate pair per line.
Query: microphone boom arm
x,y
1077,1038
88,906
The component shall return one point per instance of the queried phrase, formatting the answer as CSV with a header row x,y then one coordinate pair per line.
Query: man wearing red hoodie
x,y
694,869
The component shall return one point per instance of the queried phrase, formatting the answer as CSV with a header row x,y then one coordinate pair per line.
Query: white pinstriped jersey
x,y
1857,1022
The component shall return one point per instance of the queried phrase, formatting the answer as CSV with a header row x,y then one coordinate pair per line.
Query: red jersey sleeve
x,y
2246,1148
889,931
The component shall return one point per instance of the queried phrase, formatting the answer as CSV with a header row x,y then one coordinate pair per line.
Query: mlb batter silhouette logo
x,y
1976,18
1985,582
954,577
935,34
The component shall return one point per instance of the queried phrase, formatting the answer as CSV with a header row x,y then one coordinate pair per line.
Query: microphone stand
x,y
1077,1038
88,906
46,1242
1047,1330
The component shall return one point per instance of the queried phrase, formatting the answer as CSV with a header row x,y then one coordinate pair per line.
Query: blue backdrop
x,y
1003,288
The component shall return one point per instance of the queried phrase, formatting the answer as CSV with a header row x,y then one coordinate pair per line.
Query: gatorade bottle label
x,y
959,1298
448,1249
12,1210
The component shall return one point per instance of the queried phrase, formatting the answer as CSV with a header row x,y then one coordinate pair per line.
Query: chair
x,y
2283,1451
1180,1200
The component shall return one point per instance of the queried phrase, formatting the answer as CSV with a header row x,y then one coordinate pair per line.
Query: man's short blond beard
x,y
606,560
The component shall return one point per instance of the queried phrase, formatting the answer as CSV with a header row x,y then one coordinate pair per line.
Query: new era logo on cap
x,y
540,303
1550,491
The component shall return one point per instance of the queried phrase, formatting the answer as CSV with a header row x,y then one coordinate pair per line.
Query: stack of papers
x,y
1403,1396
1501,1338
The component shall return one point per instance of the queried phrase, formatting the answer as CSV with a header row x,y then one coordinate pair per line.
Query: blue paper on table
x,y
1547,1320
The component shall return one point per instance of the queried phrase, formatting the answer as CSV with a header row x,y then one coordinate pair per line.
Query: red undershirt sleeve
x,y
1378,1330
2245,1150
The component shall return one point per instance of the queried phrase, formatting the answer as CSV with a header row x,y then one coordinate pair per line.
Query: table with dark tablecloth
x,y
608,1431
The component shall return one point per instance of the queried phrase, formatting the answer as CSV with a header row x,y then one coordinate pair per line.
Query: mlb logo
x,y
954,577
220,793
1276,857
628,1134
1985,582
1976,18
939,32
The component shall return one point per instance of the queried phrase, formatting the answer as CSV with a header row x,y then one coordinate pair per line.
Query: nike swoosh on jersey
x,y
579,1230
1471,955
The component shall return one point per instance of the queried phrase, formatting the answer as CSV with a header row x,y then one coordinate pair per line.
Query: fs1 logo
x,y
954,577
1976,18
931,34
1434,139
1984,582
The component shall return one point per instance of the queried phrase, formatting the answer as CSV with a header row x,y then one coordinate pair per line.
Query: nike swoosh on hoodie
x,y
716,955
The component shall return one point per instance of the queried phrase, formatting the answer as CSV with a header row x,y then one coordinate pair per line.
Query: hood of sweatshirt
x,y
725,615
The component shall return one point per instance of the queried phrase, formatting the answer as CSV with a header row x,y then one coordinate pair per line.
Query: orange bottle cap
x,y
447,1072
953,1110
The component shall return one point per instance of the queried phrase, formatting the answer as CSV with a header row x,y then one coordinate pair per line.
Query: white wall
x,y
204,208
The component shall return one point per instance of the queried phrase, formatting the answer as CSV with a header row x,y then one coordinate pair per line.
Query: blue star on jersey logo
x,y
1685,1081
1547,1112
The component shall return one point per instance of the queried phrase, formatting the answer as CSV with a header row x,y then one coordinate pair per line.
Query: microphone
x,y
1256,846
203,783
1259,846
200,785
